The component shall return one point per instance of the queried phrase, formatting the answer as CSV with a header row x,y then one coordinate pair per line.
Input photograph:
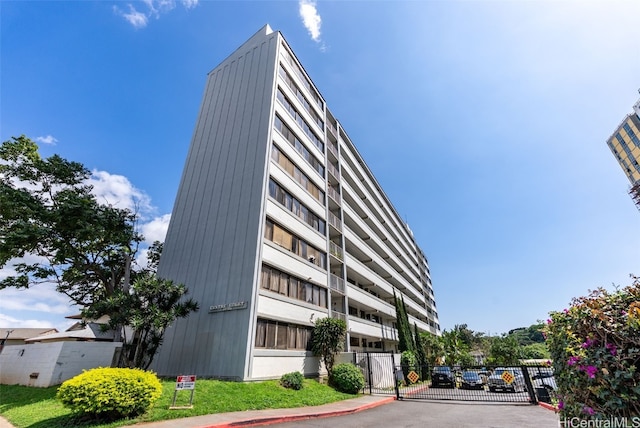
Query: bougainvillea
x,y
595,348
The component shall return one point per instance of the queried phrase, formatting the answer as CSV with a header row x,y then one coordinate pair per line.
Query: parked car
x,y
442,376
498,381
471,380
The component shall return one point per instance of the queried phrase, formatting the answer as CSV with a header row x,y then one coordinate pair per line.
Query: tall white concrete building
x,y
278,222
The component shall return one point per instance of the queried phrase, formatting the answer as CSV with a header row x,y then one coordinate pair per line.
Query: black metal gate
x,y
379,371
507,384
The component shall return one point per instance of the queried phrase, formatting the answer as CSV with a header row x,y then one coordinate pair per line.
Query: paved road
x,y
441,414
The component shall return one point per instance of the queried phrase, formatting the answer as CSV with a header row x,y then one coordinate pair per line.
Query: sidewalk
x,y
272,416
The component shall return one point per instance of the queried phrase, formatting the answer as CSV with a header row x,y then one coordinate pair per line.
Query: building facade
x,y
278,222
625,146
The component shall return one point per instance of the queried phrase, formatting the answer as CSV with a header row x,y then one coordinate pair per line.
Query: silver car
x,y
507,380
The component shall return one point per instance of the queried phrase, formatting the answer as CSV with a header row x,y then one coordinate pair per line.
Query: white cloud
x,y
118,191
155,8
135,18
40,298
11,322
189,4
310,18
49,139
156,229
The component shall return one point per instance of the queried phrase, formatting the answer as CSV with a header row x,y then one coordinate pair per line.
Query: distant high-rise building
x,y
278,222
625,145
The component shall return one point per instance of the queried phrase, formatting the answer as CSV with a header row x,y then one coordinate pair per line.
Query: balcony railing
x,y
336,283
333,171
335,221
332,128
338,315
336,251
333,194
332,148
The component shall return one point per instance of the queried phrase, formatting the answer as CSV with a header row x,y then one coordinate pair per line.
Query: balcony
x,y
332,128
335,221
339,315
333,149
334,195
333,171
336,283
336,251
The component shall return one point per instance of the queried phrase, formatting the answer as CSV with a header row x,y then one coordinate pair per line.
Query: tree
x,y
47,210
421,355
48,213
405,338
327,339
528,335
535,351
148,308
433,348
504,350
455,349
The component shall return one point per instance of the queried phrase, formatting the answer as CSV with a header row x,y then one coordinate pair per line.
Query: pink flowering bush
x,y
595,348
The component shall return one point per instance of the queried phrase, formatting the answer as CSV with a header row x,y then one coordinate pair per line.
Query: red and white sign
x,y
186,382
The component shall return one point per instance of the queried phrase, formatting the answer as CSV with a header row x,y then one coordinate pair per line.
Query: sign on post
x,y
184,382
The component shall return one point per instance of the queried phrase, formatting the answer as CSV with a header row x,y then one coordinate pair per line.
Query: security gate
x,y
379,370
507,384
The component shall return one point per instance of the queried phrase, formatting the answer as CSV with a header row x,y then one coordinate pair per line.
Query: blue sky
x,y
484,121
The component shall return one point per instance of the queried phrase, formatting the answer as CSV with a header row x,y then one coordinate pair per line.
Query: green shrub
x,y
110,393
595,348
347,378
408,362
292,380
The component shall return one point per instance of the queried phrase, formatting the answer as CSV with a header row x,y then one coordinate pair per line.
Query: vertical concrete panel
x,y
211,244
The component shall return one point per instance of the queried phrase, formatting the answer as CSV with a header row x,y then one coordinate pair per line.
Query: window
x,y
291,137
300,120
279,335
289,59
303,100
295,173
284,284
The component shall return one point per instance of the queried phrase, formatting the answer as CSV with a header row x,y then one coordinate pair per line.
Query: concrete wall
x,y
46,364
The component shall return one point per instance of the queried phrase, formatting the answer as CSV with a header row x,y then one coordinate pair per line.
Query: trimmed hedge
x,y
110,393
347,378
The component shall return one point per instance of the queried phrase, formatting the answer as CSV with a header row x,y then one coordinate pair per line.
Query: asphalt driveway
x,y
440,414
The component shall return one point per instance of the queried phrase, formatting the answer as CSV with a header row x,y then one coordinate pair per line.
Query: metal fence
x,y
512,384
379,370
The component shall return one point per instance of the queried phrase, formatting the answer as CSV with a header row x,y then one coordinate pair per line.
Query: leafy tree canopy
x,y
53,230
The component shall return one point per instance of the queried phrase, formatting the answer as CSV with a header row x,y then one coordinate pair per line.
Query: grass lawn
x,y
38,408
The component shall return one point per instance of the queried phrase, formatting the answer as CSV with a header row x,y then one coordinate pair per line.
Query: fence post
x,y
527,381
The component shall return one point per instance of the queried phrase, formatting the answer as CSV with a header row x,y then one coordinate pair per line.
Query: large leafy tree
x,y
53,230
47,212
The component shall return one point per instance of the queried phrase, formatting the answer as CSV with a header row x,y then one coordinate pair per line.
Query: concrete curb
x,y
292,418
547,406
